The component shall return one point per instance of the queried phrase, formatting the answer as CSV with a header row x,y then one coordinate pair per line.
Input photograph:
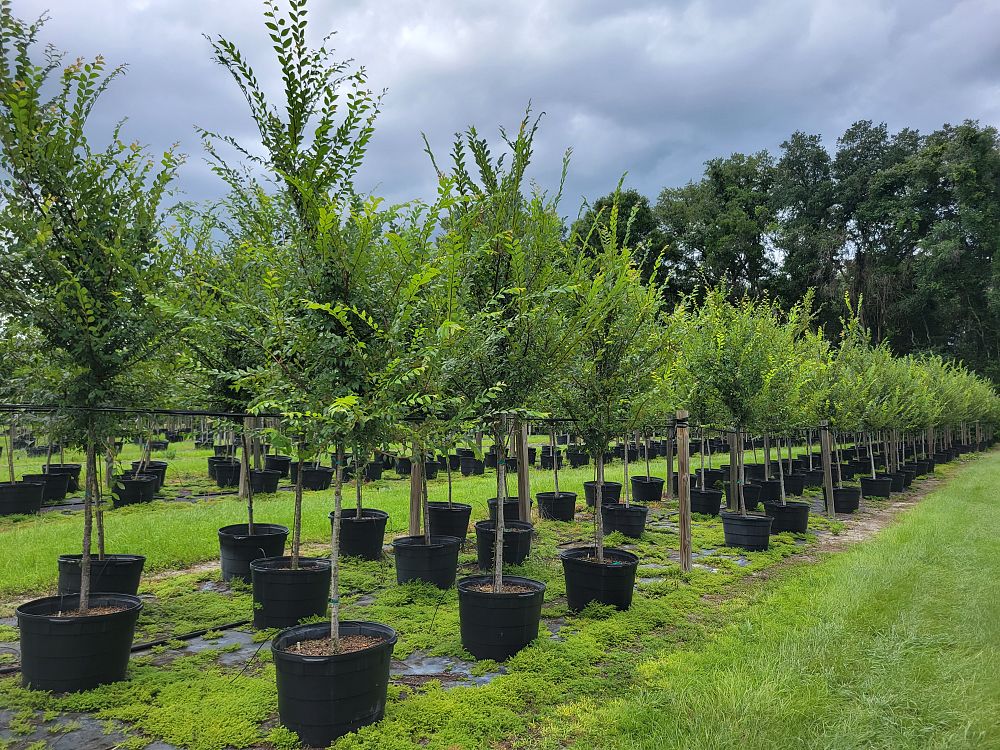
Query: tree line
x,y
908,222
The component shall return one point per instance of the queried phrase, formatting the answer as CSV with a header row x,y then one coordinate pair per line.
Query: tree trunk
x,y
88,520
555,462
338,486
599,509
523,477
297,519
416,489
500,436
246,490
627,484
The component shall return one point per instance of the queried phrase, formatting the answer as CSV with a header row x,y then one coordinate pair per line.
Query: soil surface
x,y
321,646
92,612
507,588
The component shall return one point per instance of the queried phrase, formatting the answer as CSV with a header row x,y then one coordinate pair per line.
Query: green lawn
x,y
173,535
892,644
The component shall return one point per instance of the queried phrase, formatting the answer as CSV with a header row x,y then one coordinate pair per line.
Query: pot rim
x,y
750,516
622,507
576,555
418,541
270,565
383,630
554,495
521,525
367,514
112,557
261,529
466,581
133,604
443,505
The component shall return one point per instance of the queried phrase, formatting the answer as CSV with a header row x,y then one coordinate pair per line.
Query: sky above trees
x,y
649,87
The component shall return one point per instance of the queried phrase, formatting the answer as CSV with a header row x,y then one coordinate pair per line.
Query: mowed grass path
x,y
894,643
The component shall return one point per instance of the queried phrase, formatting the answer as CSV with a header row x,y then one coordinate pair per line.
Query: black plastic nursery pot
x,y
879,487
587,580
611,493
942,457
54,485
908,476
321,698
21,498
920,468
69,654
511,509
214,461
516,542
712,477
129,489
792,516
770,491
316,478
227,473
647,489
362,537
630,520
553,507
751,532
156,468
847,499
278,463
751,495
814,477
115,574
470,465
497,626
706,501
239,548
434,563
431,469
449,519
264,481
403,466
895,479
282,597
795,484
72,469
373,471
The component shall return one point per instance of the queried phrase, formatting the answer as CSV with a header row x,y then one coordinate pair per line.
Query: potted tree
x,y
83,258
795,391
729,355
507,342
609,385
331,677
223,307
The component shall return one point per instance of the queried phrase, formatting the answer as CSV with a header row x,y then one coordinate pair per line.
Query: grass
x,y
178,534
611,678
892,644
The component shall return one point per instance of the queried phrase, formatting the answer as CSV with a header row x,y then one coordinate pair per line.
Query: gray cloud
x,y
651,88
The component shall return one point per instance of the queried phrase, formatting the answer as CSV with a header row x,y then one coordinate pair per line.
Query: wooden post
x,y
670,463
523,479
733,501
824,433
416,489
684,488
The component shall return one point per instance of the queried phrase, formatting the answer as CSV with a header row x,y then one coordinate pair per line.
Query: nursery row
x,y
307,321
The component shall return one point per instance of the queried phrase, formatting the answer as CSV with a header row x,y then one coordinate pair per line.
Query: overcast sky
x,y
649,88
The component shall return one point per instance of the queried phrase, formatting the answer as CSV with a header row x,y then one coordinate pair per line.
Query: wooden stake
x,y
416,489
523,478
824,434
684,488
